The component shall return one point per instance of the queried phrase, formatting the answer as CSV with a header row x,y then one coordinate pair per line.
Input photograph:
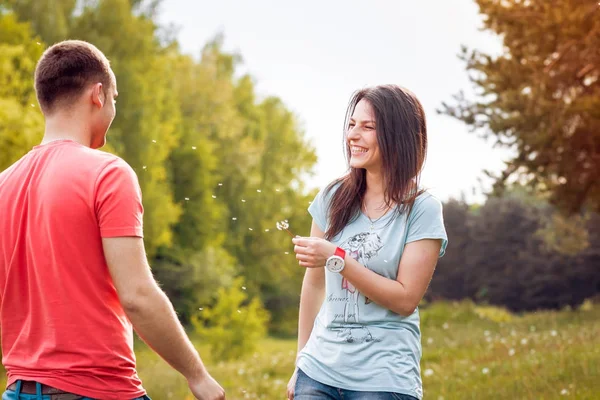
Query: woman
x,y
375,240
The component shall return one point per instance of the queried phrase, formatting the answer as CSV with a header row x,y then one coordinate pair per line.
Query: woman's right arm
x,y
311,297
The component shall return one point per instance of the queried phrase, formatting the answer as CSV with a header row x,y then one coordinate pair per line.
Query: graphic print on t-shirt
x,y
362,247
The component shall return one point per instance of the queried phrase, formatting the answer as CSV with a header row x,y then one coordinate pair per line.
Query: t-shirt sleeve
x,y
426,221
118,201
318,210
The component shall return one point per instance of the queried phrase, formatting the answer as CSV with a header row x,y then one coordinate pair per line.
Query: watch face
x,y
335,264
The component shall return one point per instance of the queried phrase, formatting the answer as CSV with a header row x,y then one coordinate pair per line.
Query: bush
x,y
234,325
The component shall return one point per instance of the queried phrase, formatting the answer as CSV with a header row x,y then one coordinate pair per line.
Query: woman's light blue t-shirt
x,y
356,344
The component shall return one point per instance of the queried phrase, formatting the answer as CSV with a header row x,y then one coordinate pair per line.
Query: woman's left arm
x,y
402,295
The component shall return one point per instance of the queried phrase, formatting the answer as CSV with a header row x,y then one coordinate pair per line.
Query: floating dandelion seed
x,y
214,197
153,141
239,312
428,372
144,167
486,333
243,287
187,199
277,190
201,309
234,219
193,147
283,226
243,201
429,340
553,333
445,326
259,191
32,105
565,392
485,371
511,352
523,341
220,184
266,230
250,229
384,261
39,44
287,252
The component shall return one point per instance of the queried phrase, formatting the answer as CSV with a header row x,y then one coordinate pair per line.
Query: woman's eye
x,y
369,127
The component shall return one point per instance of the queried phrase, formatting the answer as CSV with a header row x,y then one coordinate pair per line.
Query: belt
x,y
29,387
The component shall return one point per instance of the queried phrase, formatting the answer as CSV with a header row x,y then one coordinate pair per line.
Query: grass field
x,y
469,352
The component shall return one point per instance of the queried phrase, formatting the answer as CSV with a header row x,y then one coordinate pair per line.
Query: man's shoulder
x,y
100,157
102,162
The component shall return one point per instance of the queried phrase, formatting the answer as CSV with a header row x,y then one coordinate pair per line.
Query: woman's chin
x,y
356,163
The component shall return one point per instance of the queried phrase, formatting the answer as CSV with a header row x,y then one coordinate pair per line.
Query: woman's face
x,y
362,138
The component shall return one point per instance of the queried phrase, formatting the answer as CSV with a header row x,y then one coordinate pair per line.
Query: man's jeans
x,y
309,389
17,395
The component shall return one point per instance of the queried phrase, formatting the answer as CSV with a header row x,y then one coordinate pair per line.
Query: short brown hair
x,y
66,69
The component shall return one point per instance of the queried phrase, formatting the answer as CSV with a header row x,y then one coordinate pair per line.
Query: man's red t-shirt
x,y
60,318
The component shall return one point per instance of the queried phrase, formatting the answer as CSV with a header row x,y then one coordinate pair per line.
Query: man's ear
x,y
98,95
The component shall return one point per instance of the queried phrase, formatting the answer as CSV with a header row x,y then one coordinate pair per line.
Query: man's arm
x,y
148,308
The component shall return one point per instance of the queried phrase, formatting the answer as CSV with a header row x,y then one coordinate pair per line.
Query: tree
x,y
541,96
452,278
145,130
51,19
21,122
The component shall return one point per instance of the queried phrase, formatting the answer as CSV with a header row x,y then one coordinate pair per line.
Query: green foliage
x,y
498,255
21,123
233,325
190,279
494,314
541,96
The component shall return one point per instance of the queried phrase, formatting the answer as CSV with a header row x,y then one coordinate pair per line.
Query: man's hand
x,y
312,252
206,388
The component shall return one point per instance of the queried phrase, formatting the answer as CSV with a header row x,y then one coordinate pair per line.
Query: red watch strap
x,y
340,252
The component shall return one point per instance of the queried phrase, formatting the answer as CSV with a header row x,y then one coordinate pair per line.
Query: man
x,y
74,277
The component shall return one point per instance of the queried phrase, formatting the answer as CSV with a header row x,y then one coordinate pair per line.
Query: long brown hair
x,y
402,140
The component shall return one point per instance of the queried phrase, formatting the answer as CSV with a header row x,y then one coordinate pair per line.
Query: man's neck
x,y
63,128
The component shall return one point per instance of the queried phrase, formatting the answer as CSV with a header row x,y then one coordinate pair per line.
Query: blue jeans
x,y
309,389
17,395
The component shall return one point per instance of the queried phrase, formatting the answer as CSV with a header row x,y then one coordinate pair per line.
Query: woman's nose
x,y
352,133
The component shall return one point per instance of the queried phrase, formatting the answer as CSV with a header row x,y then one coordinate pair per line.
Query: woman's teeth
x,y
358,150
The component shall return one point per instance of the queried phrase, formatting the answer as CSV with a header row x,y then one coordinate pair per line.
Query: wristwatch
x,y
336,263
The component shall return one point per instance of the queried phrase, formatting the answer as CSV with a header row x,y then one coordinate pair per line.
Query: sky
x,y
314,54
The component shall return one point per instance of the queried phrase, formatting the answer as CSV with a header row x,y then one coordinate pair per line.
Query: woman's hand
x,y
312,252
291,386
